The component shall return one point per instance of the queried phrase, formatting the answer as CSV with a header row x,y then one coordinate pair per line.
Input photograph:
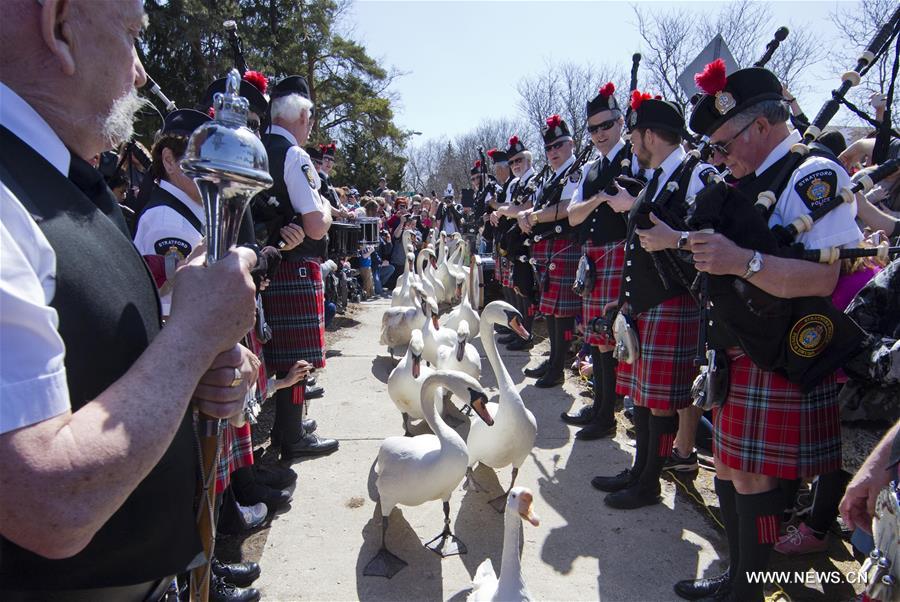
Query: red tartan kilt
x,y
768,426
506,272
295,310
608,260
557,297
662,376
237,452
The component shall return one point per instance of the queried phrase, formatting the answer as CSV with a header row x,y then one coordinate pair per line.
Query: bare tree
x,y
801,50
857,24
670,45
742,25
564,89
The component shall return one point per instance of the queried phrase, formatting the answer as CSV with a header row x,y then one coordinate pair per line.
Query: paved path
x,y
581,551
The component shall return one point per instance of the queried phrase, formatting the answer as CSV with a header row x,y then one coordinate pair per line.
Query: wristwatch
x,y
534,218
682,241
754,265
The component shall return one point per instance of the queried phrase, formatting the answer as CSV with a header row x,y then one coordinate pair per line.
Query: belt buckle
x,y
302,272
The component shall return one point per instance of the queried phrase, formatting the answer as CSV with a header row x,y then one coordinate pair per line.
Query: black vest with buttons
x,y
109,313
551,196
604,225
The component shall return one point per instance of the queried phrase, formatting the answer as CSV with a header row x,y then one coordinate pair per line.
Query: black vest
x,y
160,197
108,313
603,225
281,213
327,192
551,195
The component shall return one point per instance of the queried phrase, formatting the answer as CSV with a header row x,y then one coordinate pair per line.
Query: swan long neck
x,y
430,396
420,267
510,563
486,330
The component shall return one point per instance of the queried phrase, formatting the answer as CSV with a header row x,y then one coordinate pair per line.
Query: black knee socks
x,y
604,386
661,435
829,491
287,426
560,342
550,321
728,507
759,517
642,437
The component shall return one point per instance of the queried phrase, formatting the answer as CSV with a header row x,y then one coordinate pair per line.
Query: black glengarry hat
x,y
497,156
476,169
253,88
293,84
654,113
183,122
604,101
314,152
724,97
555,129
515,147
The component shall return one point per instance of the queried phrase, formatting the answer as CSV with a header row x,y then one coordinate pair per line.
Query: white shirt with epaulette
x,y
300,177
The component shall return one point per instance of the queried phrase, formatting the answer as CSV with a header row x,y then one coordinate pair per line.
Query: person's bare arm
x,y
62,479
873,217
858,505
316,224
579,211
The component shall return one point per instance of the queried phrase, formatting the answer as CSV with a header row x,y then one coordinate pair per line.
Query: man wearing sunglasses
x,y
516,274
767,429
602,235
555,249
665,319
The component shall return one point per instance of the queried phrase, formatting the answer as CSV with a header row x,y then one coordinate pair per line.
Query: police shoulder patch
x,y
575,176
310,177
817,188
172,246
707,175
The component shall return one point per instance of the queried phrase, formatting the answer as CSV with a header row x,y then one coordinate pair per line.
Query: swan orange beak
x,y
434,322
517,326
525,510
478,404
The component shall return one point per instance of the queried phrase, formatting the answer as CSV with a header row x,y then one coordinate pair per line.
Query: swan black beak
x,y
460,351
477,403
416,365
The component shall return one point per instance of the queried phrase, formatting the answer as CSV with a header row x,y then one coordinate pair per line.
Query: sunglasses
x,y
722,148
253,124
517,161
604,125
554,146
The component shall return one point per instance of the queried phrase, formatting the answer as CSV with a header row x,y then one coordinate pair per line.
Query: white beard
x,y
118,125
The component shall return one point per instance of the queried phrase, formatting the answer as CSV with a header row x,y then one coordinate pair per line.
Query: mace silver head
x,y
229,164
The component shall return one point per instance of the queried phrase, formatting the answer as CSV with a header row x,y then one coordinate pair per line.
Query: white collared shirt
x,y
161,229
33,384
671,163
633,170
816,179
571,184
300,177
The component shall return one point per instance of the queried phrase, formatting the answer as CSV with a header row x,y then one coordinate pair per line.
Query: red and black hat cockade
x,y
497,156
476,168
555,129
253,87
328,150
724,96
604,101
652,112
515,147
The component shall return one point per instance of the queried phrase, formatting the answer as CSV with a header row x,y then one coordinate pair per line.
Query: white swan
x,y
434,336
512,438
397,323
405,382
464,311
415,470
510,587
402,293
430,274
463,357
426,283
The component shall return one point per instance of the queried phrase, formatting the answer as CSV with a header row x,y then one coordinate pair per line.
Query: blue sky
x,y
456,53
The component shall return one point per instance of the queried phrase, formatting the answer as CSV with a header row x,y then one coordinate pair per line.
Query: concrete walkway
x,y
581,551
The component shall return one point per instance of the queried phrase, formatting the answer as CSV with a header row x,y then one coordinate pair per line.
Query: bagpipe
x,y
512,242
551,192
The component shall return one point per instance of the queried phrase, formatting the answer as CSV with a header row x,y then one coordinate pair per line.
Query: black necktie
x,y
604,164
90,181
653,185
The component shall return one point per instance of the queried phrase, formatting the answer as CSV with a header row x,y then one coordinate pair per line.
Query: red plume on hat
x,y
491,153
211,111
554,121
323,147
477,163
331,146
257,79
607,89
713,78
513,140
637,97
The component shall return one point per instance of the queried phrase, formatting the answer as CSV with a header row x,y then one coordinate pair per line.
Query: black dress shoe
x,y
506,339
314,392
538,371
695,589
222,591
256,492
617,483
309,425
308,445
272,475
596,431
632,498
520,344
548,380
240,574
579,418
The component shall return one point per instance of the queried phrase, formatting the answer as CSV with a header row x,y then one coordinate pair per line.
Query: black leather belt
x,y
150,591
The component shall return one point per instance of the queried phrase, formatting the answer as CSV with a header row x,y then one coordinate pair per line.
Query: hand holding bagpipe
x,y
621,193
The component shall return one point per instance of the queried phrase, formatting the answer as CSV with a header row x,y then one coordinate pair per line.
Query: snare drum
x,y
343,239
369,227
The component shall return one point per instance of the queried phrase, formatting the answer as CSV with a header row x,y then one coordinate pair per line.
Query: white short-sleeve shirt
x,y
300,177
33,384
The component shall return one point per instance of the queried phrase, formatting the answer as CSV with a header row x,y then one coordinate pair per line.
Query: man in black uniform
x,y
96,426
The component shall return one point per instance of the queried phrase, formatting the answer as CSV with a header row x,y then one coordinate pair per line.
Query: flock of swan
x,y
438,363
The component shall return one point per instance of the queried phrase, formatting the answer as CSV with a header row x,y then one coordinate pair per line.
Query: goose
x,y
405,382
463,356
512,439
464,311
397,323
415,470
510,587
434,336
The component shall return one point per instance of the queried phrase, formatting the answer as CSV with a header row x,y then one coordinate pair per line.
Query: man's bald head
x,y
74,62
